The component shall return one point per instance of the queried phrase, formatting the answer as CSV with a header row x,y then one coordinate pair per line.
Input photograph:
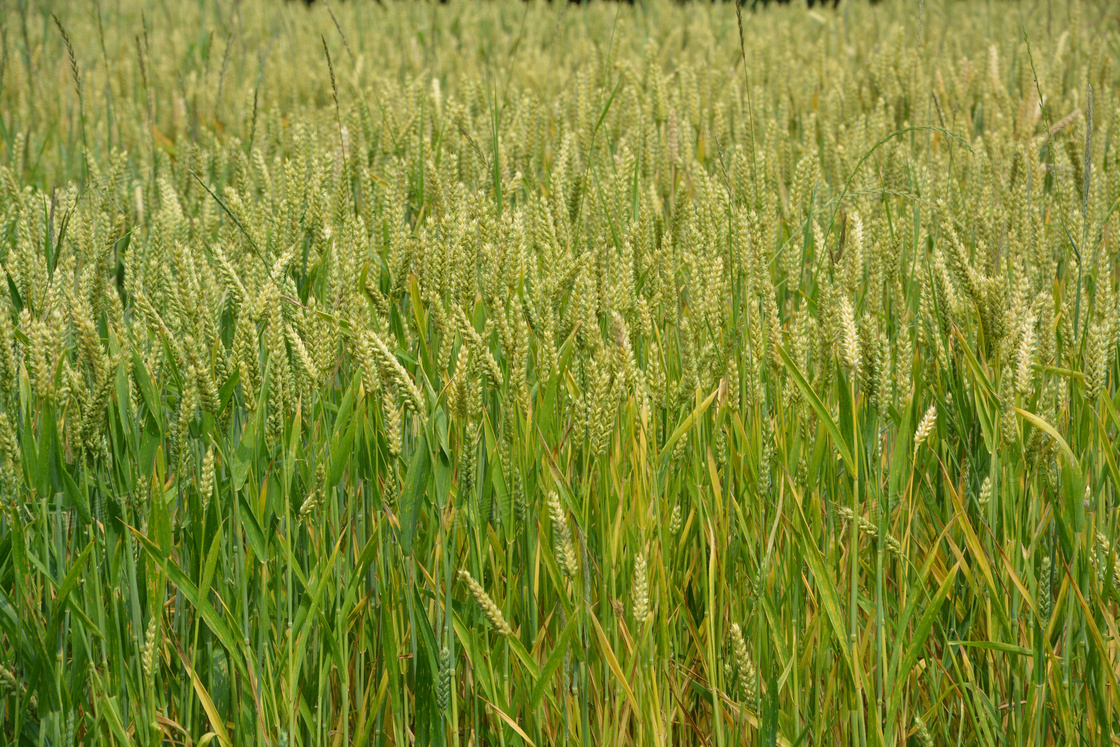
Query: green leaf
x,y
552,663
73,574
415,491
252,526
770,711
29,453
123,406
341,451
1051,431
19,551
77,496
212,714
1007,648
442,479
13,293
357,573
822,411
501,493
147,391
917,639
243,456
686,425
159,520
427,674
225,394
606,107
848,413
612,661
48,437
917,599
829,598
216,622
974,364
211,562
900,457
316,584
522,653
1073,490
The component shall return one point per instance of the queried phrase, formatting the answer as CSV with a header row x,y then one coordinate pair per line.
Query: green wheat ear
x,y
641,589
588,304
493,613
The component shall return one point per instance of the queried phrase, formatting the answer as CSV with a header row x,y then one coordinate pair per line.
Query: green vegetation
x,y
507,374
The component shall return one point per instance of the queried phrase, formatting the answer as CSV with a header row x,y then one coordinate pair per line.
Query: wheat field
x,y
502,373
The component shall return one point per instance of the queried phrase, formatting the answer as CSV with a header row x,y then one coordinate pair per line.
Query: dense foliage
x,y
505,373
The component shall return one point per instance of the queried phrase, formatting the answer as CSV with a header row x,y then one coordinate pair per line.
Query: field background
x,y
503,373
